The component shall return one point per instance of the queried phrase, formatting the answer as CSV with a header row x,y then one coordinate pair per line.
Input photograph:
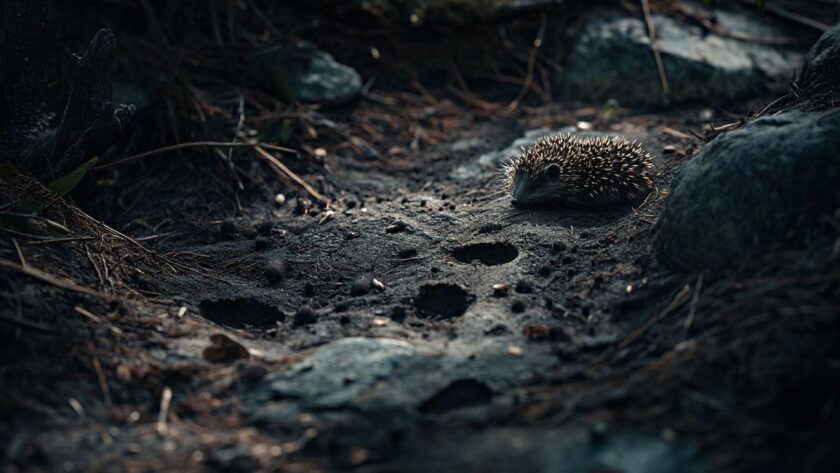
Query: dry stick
x,y
20,253
55,281
660,67
197,144
165,401
103,383
532,60
281,168
692,309
675,303
789,15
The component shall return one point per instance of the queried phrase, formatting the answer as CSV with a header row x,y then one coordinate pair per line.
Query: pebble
x,y
501,289
514,350
536,332
396,227
377,284
275,270
518,307
280,199
407,252
305,316
360,286
523,286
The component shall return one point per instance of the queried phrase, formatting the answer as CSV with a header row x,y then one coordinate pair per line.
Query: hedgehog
x,y
578,172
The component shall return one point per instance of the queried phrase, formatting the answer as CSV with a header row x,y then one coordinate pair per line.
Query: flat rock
x,y
699,66
336,373
304,73
750,187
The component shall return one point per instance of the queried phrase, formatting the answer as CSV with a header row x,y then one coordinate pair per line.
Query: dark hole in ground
x,y
461,393
241,313
490,254
442,301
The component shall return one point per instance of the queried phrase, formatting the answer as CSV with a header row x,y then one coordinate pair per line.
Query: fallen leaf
x,y
224,348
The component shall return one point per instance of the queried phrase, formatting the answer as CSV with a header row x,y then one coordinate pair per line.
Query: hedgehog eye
x,y
552,171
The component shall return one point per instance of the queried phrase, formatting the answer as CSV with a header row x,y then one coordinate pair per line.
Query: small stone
x,y
377,284
396,227
379,322
279,199
308,290
341,307
261,242
360,286
351,235
514,350
275,270
501,289
300,208
669,149
518,307
344,319
545,270
305,316
536,332
407,252
523,286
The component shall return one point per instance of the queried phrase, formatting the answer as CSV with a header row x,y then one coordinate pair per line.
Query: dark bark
x,y
89,123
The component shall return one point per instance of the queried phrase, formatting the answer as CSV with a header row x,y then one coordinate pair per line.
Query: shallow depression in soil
x,y
241,313
491,254
444,301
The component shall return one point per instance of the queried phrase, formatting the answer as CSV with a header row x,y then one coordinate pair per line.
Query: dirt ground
x,y
170,329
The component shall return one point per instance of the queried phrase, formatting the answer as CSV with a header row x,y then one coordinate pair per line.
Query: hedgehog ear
x,y
552,171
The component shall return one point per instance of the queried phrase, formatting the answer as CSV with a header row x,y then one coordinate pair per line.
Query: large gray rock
x,y
748,188
822,65
613,58
304,73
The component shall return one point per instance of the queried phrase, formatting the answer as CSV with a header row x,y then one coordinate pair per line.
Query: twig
x,y
165,401
196,144
20,253
692,309
280,167
55,281
103,383
532,60
660,67
794,17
